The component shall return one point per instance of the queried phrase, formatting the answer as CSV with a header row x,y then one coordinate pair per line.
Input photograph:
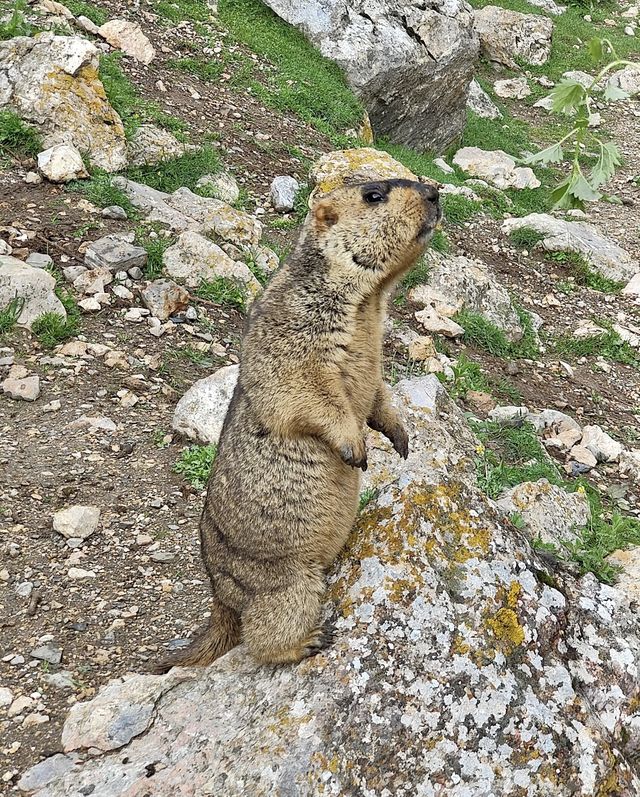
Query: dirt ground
x,y
148,589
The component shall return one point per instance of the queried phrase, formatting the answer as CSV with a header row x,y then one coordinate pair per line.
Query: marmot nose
x,y
429,192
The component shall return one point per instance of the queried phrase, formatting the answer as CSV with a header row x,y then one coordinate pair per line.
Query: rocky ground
x,y
92,595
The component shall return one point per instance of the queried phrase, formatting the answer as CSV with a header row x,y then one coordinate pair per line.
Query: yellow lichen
x,y
506,628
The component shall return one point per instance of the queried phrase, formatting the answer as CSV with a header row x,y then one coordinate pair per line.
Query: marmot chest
x,y
361,366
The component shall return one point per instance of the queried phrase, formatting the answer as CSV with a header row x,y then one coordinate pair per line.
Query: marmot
x,y
284,489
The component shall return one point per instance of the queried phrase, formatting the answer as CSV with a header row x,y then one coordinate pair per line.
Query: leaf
x,y
606,165
613,92
552,154
581,189
567,96
596,49
561,197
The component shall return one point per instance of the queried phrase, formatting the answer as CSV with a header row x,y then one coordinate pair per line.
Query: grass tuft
x,y
100,190
486,335
525,237
194,465
184,171
609,345
81,8
52,328
225,291
16,24
17,139
9,315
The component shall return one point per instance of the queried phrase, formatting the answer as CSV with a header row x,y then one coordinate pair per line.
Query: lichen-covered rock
x,y
194,258
460,665
33,289
52,82
149,145
506,35
627,79
496,167
410,62
362,165
611,260
549,513
222,186
458,283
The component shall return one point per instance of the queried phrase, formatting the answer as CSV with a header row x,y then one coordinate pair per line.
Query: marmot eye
x,y
372,197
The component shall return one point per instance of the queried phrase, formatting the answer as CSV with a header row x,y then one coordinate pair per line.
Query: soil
x,y
149,588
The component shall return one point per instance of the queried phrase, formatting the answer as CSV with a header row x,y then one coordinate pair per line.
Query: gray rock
x,y
451,653
128,37
150,145
222,186
410,63
48,652
549,6
39,260
515,88
61,164
163,298
6,696
25,389
506,35
45,772
458,283
552,419
200,413
605,256
481,103
77,521
496,167
627,79
630,464
509,416
603,447
135,273
443,165
549,513
283,193
52,81
71,273
62,680
113,253
34,286
114,212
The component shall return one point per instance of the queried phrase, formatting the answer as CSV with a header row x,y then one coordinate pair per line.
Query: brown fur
x,y
284,489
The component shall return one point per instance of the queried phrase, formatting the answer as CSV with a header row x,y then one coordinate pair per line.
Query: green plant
x,y
151,238
90,10
576,101
525,237
457,209
100,190
194,464
467,376
418,275
583,274
257,272
223,290
205,69
17,139
440,242
366,497
486,335
175,173
181,10
10,314
53,328
16,24
608,345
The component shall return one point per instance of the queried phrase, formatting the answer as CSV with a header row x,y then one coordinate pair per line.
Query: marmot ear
x,y
325,214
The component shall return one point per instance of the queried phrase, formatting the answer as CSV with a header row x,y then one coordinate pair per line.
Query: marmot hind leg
x,y
283,627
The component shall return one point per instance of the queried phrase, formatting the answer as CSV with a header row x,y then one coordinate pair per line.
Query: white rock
x,y
150,145
35,286
283,193
481,103
599,251
222,186
506,35
25,389
552,419
514,88
588,329
20,705
630,464
128,37
200,413
443,165
583,456
627,79
6,696
79,574
61,164
603,447
509,416
632,288
496,167
77,521
432,322
164,297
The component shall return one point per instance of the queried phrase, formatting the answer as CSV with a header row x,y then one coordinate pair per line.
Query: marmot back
x,y
283,493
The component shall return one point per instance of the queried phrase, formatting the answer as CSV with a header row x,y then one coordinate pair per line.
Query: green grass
x,y
418,275
440,242
205,69
182,10
467,375
303,81
458,209
9,315
485,335
156,245
609,345
366,497
16,24
93,12
525,237
100,190
124,98
194,465
584,275
225,291
509,134
17,139
178,172
257,272
52,328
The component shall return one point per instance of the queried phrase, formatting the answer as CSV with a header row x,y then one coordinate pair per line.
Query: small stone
x,y
432,322
144,539
583,456
48,652
283,193
24,589
6,696
122,293
19,705
39,260
78,573
162,556
60,680
128,37
135,273
509,416
32,178
27,389
603,447
422,348
164,297
62,163
114,253
443,166
90,305
514,88
71,273
115,212
77,521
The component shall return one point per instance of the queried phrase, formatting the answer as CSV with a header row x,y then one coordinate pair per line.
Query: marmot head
x,y
375,231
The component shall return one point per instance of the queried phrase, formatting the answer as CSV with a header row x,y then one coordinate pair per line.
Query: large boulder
x,y
33,288
410,62
458,283
506,35
461,665
559,235
52,82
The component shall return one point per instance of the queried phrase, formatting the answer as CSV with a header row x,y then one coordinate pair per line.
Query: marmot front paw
x,y
356,456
